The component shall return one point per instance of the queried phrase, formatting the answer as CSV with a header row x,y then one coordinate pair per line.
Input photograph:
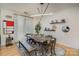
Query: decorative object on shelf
x,y
57,22
48,29
63,20
65,29
54,27
38,28
51,29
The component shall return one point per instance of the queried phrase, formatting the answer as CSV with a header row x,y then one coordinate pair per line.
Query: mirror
x,y
65,28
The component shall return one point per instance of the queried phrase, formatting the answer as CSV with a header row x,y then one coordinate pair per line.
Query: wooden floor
x,y
69,51
13,51
10,51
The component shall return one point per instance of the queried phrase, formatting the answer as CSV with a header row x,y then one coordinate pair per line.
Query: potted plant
x,y
38,28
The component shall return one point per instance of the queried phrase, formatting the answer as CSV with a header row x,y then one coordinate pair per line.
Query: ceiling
x,y
31,8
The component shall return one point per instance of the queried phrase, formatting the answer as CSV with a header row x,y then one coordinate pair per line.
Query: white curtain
x,y
23,25
19,27
28,25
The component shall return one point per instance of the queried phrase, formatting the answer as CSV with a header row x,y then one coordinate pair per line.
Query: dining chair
x,y
52,44
49,36
45,47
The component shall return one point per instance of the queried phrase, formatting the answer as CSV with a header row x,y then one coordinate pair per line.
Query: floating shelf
x,y
50,30
62,21
57,22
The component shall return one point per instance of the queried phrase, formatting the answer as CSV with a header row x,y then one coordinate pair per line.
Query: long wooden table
x,y
41,38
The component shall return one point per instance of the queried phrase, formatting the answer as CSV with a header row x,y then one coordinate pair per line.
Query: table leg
x,y
19,44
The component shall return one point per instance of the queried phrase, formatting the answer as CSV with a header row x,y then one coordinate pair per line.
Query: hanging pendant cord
x,y
44,11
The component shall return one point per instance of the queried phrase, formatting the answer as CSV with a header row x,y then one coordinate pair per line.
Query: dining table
x,y
51,41
37,38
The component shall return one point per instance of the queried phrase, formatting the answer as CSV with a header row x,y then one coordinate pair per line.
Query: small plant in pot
x,y
38,28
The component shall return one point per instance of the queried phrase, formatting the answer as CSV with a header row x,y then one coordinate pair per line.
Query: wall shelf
x,y
57,22
62,21
49,29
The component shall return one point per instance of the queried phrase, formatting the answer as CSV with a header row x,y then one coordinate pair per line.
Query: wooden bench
x,y
27,47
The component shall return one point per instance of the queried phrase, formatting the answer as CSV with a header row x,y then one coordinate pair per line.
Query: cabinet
x,y
9,41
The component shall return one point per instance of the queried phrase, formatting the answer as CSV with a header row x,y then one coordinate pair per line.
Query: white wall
x,y
71,15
